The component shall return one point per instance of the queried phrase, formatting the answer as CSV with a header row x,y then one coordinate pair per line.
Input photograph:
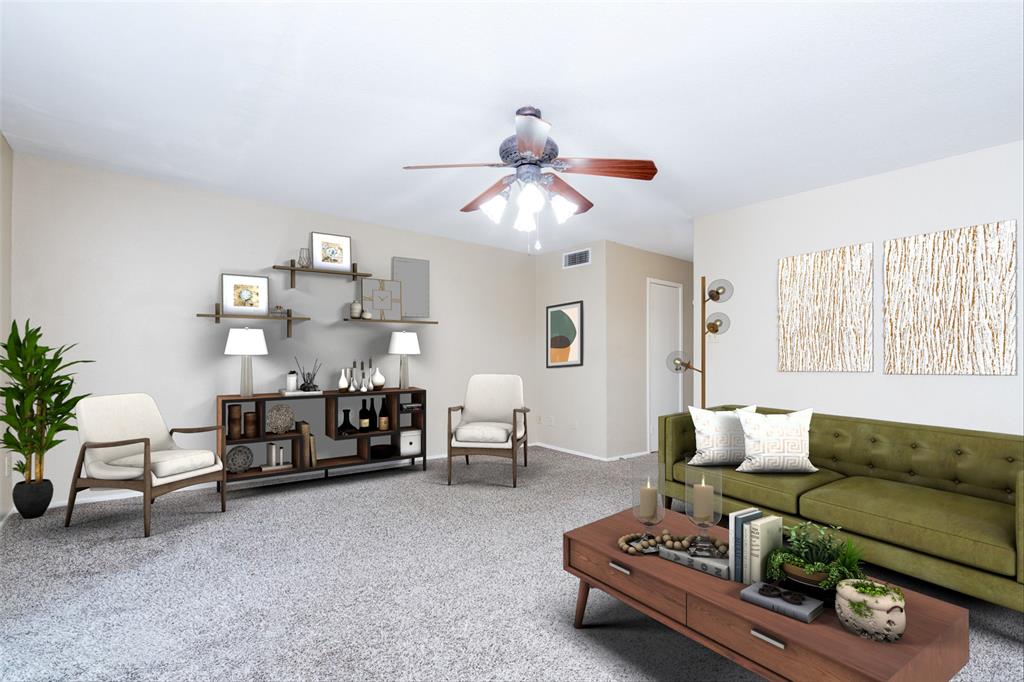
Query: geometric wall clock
x,y
825,310
951,301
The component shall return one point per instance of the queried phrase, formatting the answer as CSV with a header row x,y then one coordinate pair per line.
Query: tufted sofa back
x,y
976,463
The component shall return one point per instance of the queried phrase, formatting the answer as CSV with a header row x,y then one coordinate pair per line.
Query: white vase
x,y
377,379
343,380
356,310
365,385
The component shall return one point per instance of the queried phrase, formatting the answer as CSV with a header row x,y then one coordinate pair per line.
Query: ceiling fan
x,y
529,151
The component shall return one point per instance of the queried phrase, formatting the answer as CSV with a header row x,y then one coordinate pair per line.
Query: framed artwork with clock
x,y
331,251
245,294
382,298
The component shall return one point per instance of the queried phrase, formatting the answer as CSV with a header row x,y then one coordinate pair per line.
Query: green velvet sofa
x,y
944,505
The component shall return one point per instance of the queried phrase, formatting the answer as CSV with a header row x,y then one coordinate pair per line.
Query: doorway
x,y
664,335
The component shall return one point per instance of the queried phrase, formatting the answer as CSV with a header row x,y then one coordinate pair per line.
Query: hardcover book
x,y
736,539
765,536
806,612
716,567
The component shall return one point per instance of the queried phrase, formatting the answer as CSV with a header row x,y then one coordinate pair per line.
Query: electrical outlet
x,y
549,420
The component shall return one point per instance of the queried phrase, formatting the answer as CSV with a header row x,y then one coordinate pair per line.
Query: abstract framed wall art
x,y
564,335
245,294
382,298
951,301
825,310
331,251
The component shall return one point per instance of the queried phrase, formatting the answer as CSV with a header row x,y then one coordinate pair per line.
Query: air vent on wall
x,y
575,259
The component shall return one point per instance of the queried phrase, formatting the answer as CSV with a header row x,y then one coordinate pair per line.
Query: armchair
x,y
493,421
126,445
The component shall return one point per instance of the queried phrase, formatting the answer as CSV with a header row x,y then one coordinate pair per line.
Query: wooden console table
x,y
332,401
709,611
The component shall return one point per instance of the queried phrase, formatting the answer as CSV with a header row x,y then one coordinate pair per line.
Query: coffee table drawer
x,y
757,643
614,572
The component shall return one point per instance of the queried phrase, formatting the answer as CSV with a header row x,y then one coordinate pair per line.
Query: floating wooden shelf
x,y
292,268
403,321
288,317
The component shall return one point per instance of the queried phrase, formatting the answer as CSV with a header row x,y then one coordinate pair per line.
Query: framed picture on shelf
x,y
331,251
245,294
414,274
564,337
382,298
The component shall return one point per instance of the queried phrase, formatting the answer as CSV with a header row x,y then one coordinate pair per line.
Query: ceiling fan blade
x,y
489,193
531,135
632,169
564,189
455,165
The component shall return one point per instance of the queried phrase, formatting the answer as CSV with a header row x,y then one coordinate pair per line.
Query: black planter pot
x,y
32,499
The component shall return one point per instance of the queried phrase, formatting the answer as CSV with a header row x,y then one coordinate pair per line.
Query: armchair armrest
x,y
451,410
1019,503
93,445
196,429
523,411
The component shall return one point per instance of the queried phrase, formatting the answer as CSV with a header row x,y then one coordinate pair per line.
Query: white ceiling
x,y
319,106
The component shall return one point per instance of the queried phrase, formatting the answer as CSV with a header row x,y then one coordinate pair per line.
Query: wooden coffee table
x,y
709,610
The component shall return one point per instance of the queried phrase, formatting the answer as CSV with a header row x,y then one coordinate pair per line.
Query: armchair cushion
x,y
168,462
485,432
492,397
105,418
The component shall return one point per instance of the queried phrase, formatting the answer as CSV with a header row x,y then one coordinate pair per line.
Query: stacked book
x,y
752,537
805,609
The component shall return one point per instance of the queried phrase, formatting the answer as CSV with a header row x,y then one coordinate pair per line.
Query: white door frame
x,y
647,364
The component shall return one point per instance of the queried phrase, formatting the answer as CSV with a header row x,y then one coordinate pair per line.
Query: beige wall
x,y
6,168
570,403
627,272
121,264
744,245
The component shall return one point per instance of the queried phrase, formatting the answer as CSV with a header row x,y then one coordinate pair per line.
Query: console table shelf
x,y
292,269
332,399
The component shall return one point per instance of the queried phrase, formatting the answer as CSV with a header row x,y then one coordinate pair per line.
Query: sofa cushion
x,y
167,462
960,528
775,491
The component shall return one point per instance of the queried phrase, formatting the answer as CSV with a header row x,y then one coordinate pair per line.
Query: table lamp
x,y
404,344
246,343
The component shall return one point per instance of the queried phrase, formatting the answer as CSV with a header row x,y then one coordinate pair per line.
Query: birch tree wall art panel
x,y
825,311
951,301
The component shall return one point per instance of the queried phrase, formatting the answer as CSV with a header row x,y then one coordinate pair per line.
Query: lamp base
x,y
403,372
246,383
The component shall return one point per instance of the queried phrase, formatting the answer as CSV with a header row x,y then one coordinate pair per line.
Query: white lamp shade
x,y
404,343
245,342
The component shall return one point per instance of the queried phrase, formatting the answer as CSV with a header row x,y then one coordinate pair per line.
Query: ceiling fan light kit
x,y
529,151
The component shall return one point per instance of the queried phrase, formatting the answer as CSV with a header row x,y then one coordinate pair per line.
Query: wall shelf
x,y
402,321
288,317
293,269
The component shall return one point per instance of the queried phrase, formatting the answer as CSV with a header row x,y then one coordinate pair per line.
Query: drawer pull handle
x,y
620,569
771,640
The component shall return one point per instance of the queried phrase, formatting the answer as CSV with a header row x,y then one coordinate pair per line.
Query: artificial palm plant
x,y
38,405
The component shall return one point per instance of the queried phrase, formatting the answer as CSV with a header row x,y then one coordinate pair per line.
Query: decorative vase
x,y
880,615
364,385
367,315
343,380
377,379
32,499
356,311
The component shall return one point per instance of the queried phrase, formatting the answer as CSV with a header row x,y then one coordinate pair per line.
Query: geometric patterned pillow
x,y
719,437
776,443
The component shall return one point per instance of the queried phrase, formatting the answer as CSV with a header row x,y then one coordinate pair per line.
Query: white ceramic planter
x,y
883,618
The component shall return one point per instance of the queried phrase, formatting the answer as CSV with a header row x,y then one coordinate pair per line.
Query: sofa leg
x,y
668,502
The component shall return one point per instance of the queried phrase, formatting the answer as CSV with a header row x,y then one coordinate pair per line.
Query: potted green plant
x,y
814,556
38,407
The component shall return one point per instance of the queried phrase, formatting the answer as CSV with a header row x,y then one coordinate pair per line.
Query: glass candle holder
x,y
305,259
703,506
648,502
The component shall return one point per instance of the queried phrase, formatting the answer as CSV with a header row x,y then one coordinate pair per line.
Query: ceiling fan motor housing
x,y
511,156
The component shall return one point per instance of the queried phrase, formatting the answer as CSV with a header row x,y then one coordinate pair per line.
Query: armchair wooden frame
x,y
510,453
145,486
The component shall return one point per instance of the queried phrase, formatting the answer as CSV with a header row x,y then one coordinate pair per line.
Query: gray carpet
x,y
390,575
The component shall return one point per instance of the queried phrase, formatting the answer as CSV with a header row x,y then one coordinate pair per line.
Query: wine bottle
x,y
373,416
384,418
364,418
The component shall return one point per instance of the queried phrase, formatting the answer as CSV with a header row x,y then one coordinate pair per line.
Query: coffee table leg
x,y
581,602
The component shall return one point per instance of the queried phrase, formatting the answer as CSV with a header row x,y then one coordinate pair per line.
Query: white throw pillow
x,y
777,443
719,436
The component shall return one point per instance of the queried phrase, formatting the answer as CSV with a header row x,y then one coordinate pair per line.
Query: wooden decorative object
x,y
402,321
825,310
293,269
234,422
951,301
288,317
710,612
251,429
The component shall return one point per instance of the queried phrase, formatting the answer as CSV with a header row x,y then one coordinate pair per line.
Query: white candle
x,y
703,502
649,502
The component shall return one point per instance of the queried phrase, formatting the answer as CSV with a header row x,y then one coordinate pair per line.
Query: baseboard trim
x,y
610,458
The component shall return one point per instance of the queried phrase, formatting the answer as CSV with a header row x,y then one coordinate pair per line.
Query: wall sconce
x,y
717,323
